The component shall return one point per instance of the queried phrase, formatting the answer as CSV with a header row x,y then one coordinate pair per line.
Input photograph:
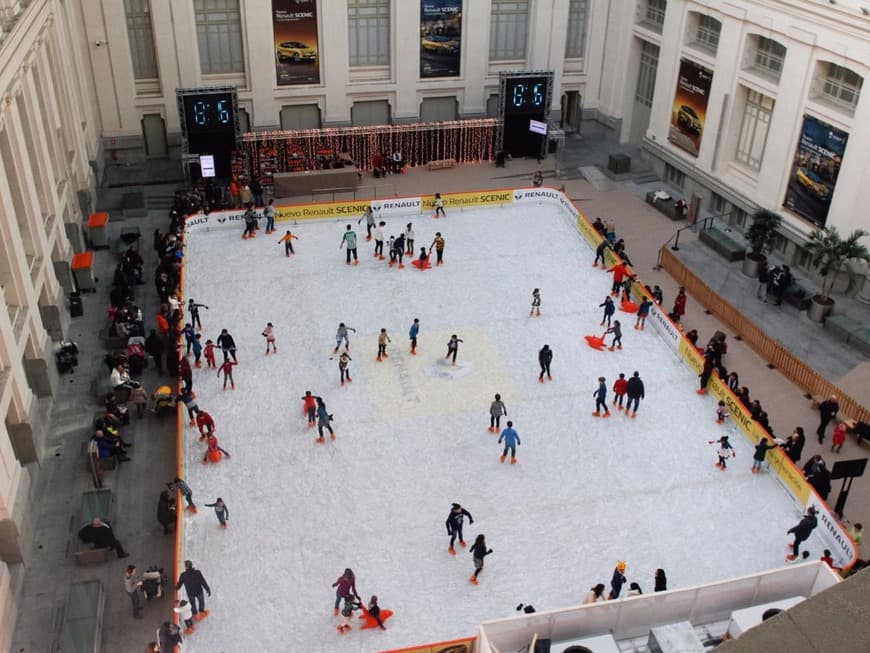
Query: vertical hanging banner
x,y
440,37
690,106
294,25
814,171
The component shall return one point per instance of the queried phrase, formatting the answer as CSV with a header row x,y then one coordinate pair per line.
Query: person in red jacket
x,y
619,388
679,305
204,423
310,408
619,271
213,449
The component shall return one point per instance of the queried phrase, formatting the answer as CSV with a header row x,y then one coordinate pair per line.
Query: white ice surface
x,y
411,440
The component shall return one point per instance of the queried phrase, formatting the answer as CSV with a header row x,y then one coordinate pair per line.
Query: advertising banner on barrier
x,y
294,25
524,195
670,334
464,645
398,206
462,200
440,38
690,106
347,209
814,170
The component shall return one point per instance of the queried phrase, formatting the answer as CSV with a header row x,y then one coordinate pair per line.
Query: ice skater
x,y
619,271
209,354
341,334
214,450
348,241
269,335
453,347
193,313
455,519
600,253
496,410
409,239
412,335
345,588
269,214
511,442
616,330
204,424
724,452
635,392
220,510
439,206
227,344
422,262
250,219
369,217
479,552
178,484
617,580
397,251
347,612
721,412
383,339
620,386
642,313
536,303
438,246
343,366
761,449
802,532
189,334
226,369
609,309
309,406
288,239
323,422
545,357
197,350
374,611
379,240
601,398
185,614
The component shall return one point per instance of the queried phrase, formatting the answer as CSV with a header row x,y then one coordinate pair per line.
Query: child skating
x,y
288,239
545,357
439,206
343,363
374,611
309,407
496,410
379,240
189,336
620,386
601,399
214,451
642,313
422,263
226,369
347,611
204,423
197,350
453,347
721,413
323,422
348,241
269,335
185,614
609,309
479,551
724,452
209,355
383,339
438,246
511,442
616,330
454,522
193,313
412,335
536,303
761,449
341,334
220,510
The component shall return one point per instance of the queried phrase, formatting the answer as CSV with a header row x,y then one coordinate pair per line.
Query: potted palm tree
x,y
830,253
760,235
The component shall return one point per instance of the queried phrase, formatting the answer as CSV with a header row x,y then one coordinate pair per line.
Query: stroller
x,y
153,581
136,354
163,399
67,357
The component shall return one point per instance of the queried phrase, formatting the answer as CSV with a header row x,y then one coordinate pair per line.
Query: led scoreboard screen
x,y
526,96
208,113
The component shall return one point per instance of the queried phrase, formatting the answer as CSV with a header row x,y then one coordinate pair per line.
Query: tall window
x,y
769,57
707,33
219,33
368,23
578,16
646,74
842,86
655,13
141,37
507,29
753,130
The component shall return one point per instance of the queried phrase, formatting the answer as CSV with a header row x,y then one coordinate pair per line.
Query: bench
x,y
798,296
666,207
723,244
95,503
83,618
854,332
441,164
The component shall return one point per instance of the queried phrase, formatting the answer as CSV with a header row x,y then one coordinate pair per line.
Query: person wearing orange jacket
x,y
619,271
288,239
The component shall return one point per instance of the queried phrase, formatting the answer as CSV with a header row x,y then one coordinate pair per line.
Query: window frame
x,y
763,51
755,108
648,78
378,35
832,77
578,27
706,30
140,36
500,13
229,31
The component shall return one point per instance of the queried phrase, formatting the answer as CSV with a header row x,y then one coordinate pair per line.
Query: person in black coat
x,y
455,519
707,370
635,392
821,480
194,584
479,551
617,581
781,281
545,357
168,636
154,347
100,534
227,344
166,511
661,581
828,410
802,531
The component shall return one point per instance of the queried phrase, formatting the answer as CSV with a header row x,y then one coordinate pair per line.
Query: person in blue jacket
x,y
609,309
618,580
511,442
601,398
412,334
454,522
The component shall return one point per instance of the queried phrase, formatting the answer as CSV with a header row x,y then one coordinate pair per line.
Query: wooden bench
x,y
83,618
95,503
441,164
723,244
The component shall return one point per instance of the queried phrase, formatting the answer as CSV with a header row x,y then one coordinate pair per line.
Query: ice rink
x,y
412,439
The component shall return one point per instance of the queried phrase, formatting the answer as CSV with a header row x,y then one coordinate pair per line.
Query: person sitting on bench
x,y
100,534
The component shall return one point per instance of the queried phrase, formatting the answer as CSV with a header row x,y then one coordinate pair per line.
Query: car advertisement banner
x,y
440,37
815,169
294,24
690,106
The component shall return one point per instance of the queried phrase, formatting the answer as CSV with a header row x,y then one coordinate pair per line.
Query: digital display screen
x,y
209,112
526,95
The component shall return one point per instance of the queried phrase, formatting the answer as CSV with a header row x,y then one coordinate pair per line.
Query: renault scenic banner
x,y
814,170
440,37
294,24
690,106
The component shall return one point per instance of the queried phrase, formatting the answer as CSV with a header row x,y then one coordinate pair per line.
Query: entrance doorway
x,y
154,134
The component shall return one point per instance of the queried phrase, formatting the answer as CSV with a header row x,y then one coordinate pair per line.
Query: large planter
x,y
820,307
750,266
